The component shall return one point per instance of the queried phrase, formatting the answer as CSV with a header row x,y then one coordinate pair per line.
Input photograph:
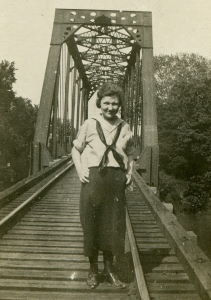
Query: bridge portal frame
x,y
66,23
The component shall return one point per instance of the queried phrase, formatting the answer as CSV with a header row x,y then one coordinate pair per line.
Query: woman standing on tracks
x,y
102,154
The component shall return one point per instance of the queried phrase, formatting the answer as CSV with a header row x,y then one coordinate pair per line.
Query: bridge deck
x,y
41,257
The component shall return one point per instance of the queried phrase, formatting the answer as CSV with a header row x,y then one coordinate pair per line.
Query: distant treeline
x,y
17,123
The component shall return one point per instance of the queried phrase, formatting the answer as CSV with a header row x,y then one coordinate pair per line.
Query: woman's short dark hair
x,y
109,89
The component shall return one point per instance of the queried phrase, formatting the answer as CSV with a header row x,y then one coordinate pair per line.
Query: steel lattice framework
x,y
105,52
89,47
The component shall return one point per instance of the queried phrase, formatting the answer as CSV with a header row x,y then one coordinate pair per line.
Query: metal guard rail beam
x,y
195,262
28,182
6,220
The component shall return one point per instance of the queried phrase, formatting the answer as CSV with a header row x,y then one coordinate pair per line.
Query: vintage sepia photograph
x,y
105,142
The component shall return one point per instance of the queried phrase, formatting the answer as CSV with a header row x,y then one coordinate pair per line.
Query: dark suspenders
x,y
117,156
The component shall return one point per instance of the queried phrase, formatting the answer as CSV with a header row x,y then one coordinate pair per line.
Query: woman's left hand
x,y
129,179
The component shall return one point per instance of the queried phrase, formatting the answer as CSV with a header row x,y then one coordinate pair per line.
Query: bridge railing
x,y
12,192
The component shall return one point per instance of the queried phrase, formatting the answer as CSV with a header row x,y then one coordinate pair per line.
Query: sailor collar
x,y
106,125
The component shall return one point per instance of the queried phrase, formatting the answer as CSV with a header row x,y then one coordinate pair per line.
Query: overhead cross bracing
x,y
105,52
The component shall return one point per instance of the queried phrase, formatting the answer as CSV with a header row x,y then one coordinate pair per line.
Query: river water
x,y
201,225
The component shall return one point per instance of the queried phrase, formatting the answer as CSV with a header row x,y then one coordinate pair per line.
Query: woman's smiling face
x,y
109,106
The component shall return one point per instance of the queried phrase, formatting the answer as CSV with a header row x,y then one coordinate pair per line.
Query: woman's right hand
x,y
128,179
83,176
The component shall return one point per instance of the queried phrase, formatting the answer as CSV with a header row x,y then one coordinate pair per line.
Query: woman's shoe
x,y
110,276
92,280
114,280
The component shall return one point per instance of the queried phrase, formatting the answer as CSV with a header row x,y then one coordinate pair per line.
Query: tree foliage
x,y
183,94
17,119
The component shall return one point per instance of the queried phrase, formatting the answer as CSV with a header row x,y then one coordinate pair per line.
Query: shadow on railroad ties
x,y
124,267
149,260
154,258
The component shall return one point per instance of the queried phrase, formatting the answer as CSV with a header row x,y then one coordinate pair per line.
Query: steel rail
x,y
141,283
23,205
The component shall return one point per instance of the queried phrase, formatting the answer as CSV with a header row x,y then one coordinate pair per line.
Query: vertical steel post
x,y
125,103
67,79
137,98
131,87
44,114
149,135
86,103
82,105
129,97
127,113
54,123
73,103
78,104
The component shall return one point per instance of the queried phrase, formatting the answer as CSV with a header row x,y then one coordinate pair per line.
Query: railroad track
x,y
41,252
164,274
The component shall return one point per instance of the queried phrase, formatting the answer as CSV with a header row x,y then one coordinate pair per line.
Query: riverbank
x,y
200,223
171,190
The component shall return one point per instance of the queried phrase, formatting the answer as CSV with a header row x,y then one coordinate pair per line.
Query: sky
x,y
26,26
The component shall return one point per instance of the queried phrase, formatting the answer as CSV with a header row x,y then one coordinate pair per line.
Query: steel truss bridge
x,y
41,245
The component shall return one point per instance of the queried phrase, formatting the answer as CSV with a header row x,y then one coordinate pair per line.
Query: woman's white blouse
x,y
92,149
